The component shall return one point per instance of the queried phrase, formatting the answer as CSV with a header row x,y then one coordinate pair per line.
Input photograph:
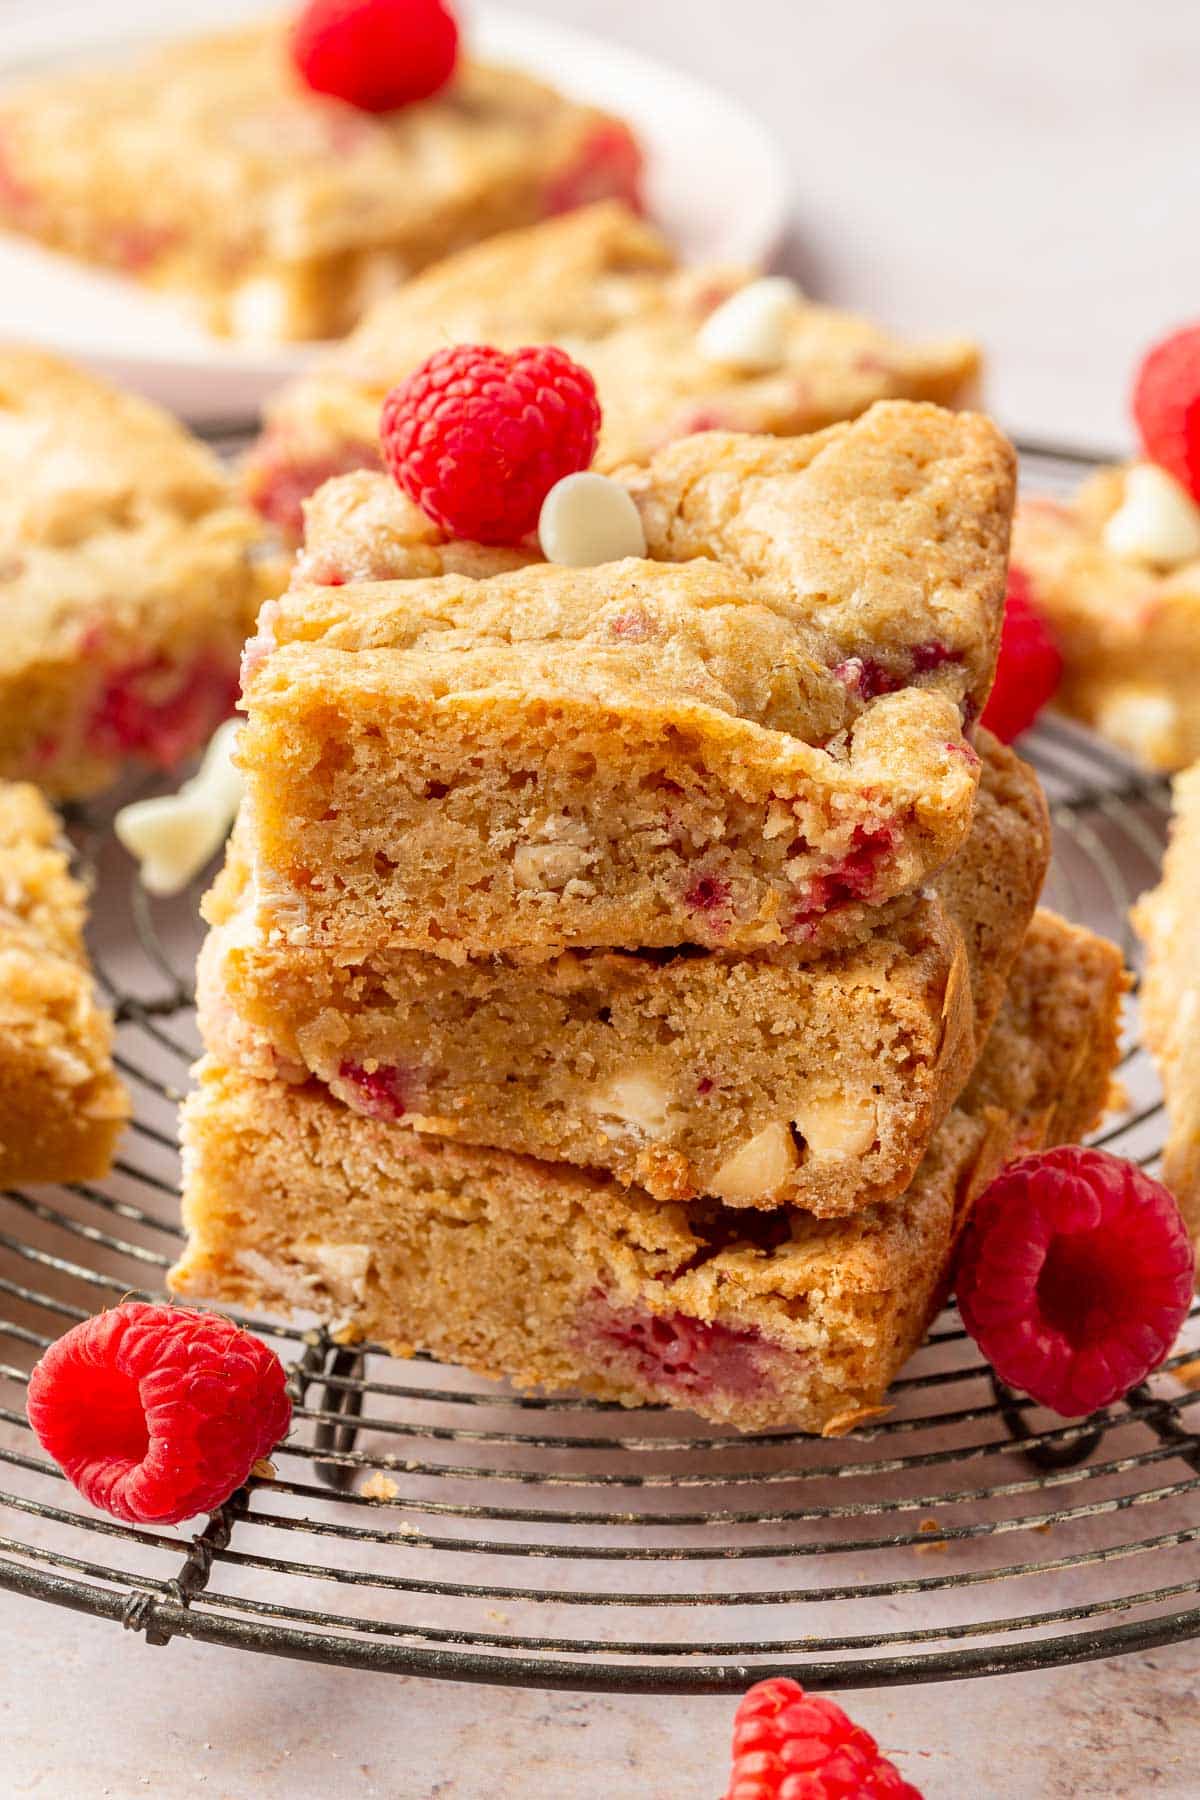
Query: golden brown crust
x,y
61,1105
549,1275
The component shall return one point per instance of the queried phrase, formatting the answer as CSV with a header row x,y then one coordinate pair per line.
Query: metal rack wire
x,y
563,1543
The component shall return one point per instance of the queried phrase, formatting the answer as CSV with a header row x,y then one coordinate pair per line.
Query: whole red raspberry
x,y
1166,406
376,54
156,1413
1028,668
789,1745
478,437
1074,1276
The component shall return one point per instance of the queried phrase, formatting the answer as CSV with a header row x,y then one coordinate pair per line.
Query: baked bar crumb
x,y
61,1106
561,1279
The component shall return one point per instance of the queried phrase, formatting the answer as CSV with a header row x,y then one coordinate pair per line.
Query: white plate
x,y
717,184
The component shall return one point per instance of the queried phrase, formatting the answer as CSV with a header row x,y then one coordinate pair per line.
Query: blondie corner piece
x,y
1168,922
61,1105
752,737
129,578
607,288
215,174
561,1279
763,1080
1128,626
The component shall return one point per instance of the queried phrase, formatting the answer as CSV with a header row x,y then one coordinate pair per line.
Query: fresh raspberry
x,y
789,1745
1028,668
1166,406
1074,1277
477,437
376,54
157,1413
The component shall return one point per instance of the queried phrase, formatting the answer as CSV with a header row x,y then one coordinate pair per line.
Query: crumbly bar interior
x,y
558,1278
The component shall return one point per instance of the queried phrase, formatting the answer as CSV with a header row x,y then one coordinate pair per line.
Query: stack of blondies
x,y
625,977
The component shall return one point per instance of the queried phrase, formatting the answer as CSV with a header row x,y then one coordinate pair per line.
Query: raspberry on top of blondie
x,y
554,1276
753,736
606,287
128,580
213,172
61,1105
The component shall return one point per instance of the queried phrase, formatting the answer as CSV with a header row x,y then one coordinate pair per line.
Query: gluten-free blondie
x,y
559,1278
753,736
606,287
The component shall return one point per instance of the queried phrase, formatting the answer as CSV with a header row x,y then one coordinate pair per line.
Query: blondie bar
x,y
607,288
752,737
1168,921
1127,618
562,1279
763,1080
61,1106
208,169
128,580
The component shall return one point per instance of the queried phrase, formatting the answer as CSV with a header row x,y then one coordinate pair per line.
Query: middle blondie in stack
x,y
603,965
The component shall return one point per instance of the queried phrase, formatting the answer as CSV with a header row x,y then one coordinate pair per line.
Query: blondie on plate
x,y
561,1279
128,580
1125,611
208,169
606,287
61,1106
751,737
1168,921
764,1080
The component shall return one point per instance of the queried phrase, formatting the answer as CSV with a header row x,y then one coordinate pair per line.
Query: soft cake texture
x,y
607,288
129,577
752,737
764,1080
562,1279
61,1105
214,173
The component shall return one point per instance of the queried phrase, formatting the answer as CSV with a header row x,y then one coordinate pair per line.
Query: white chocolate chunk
x,y
750,329
547,865
637,1098
587,519
1157,522
759,1167
173,836
838,1125
263,310
1143,720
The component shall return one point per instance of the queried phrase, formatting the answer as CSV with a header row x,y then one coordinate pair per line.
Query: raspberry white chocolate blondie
x,y
61,1106
763,1080
1168,921
751,737
210,170
607,288
128,580
558,1278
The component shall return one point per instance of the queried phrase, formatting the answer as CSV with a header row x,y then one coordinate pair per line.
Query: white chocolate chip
x,y
761,1166
637,1098
750,329
838,1125
588,519
173,836
263,310
343,1268
1157,522
1144,721
547,865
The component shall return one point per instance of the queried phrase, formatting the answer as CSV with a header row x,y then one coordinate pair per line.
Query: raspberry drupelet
x,y
789,1745
1074,1277
377,55
158,1413
1028,668
1166,406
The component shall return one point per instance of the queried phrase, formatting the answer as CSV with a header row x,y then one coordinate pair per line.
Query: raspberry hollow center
x,y
112,1427
1082,1291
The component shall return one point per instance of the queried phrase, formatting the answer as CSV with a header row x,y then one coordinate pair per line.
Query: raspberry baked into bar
x,y
215,174
1168,922
607,288
562,1279
128,581
61,1105
751,737
763,1080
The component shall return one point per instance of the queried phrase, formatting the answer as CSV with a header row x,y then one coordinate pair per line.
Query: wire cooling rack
x,y
429,1522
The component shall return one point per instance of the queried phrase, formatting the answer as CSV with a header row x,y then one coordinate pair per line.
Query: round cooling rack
x,y
426,1521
